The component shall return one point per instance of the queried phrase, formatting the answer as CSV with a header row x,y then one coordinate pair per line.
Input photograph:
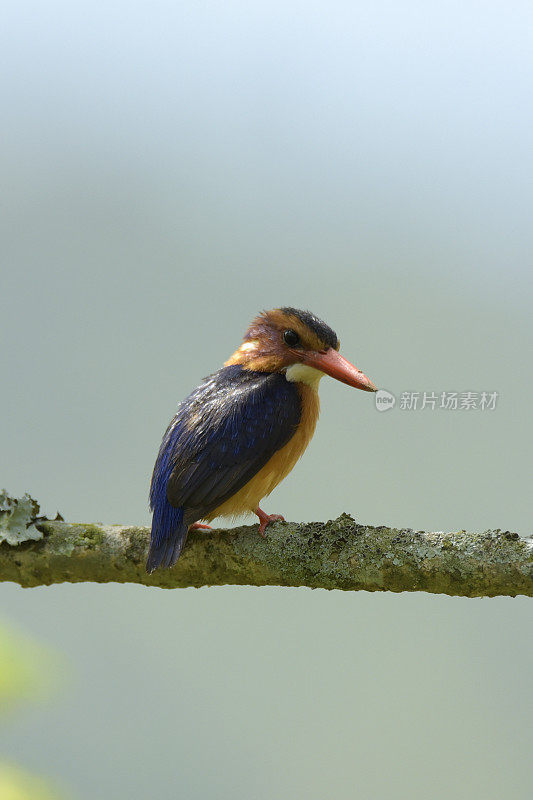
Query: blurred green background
x,y
169,169
27,672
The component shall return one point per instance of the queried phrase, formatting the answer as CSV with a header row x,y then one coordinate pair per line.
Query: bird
x,y
242,430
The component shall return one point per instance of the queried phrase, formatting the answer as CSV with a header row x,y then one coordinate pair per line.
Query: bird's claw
x,y
265,519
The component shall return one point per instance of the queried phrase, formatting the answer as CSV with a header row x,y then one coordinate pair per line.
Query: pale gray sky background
x,y
169,169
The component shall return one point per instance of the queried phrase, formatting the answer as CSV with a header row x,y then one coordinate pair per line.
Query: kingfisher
x,y
242,430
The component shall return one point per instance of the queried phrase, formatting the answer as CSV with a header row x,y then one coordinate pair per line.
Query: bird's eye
x,y
291,338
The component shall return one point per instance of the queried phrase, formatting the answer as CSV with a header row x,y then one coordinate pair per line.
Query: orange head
x,y
299,345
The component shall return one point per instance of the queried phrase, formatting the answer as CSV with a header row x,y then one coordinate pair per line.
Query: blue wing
x,y
221,436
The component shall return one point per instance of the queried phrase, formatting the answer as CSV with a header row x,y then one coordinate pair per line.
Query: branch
x,y
339,554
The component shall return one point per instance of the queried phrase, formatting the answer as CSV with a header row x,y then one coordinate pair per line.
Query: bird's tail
x,y
169,530
168,537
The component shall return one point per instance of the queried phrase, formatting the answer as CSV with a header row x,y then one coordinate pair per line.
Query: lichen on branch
x,y
339,554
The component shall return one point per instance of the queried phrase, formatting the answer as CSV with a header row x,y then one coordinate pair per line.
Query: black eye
x,y
291,338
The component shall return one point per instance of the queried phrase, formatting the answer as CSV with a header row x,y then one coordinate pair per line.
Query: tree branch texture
x,y
339,554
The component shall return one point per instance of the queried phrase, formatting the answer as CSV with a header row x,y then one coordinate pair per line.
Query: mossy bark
x,y
338,554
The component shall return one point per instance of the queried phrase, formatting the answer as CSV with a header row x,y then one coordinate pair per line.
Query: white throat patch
x,y
304,374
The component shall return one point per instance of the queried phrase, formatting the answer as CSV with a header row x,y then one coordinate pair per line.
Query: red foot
x,y
199,526
265,519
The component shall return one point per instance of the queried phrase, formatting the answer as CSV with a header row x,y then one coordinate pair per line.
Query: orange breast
x,y
278,467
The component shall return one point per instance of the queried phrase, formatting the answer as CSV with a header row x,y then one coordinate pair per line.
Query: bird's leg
x,y
265,519
199,526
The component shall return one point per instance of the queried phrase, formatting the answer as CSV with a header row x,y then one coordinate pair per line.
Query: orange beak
x,y
338,367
